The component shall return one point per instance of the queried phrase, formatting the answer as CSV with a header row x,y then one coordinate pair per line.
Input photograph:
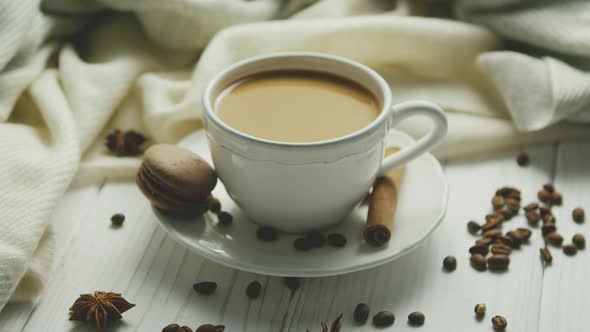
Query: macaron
x,y
176,180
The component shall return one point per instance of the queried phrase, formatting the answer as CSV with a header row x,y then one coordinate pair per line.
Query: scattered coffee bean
x,y
544,210
302,244
316,238
293,283
556,198
570,249
253,289
508,191
504,239
480,309
499,323
493,233
224,218
554,238
210,328
205,287
479,249
171,328
267,234
507,213
578,215
494,216
117,219
498,262
450,263
473,227
548,228
486,241
384,319
516,237
501,249
531,207
549,218
549,187
478,262
522,159
498,201
532,217
491,225
336,240
546,256
544,196
361,313
416,318
214,204
579,240
524,233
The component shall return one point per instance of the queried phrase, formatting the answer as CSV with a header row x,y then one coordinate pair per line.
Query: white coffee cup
x,y
297,187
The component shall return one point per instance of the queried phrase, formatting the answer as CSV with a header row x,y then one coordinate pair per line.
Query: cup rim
x,y
383,86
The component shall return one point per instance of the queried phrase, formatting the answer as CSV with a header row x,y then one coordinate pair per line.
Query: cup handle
x,y
398,113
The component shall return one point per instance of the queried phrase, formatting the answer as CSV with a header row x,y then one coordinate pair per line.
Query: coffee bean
x,y
549,218
336,240
384,319
491,225
494,216
117,219
549,187
253,289
570,249
267,234
507,240
205,287
224,218
531,207
544,196
473,227
522,159
516,237
524,233
361,313
508,191
513,204
493,233
499,323
506,213
579,240
501,249
480,309
548,228
210,328
546,256
498,262
214,204
554,238
556,198
316,238
171,328
478,262
498,201
416,318
184,329
292,283
578,215
302,244
544,210
450,263
486,241
514,196
479,249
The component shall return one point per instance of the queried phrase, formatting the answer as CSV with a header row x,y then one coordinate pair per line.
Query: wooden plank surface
x,y
154,272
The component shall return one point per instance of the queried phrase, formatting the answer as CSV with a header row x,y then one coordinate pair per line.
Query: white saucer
x,y
421,208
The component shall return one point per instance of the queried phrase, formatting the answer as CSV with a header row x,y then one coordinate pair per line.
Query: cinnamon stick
x,y
382,204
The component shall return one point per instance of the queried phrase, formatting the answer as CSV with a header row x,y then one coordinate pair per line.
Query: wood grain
x,y
157,274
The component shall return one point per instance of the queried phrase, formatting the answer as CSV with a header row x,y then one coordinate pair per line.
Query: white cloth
x,y
140,71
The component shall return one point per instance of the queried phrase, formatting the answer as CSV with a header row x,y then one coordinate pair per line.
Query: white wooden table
x,y
152,271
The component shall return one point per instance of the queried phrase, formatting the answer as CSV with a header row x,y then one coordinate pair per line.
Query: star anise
x,y
102,307
125,143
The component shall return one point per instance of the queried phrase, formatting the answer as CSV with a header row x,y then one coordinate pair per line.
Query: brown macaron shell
x,y
179,172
